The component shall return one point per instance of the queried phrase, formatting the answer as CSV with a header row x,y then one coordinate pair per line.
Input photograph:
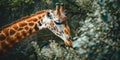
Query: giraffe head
x,y
57,23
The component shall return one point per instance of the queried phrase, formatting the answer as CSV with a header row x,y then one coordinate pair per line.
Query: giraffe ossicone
x,y
54,20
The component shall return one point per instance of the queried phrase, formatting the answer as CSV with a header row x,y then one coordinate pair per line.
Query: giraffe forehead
x,y
60,17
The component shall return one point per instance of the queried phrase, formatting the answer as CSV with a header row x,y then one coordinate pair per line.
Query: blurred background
x,y
94,24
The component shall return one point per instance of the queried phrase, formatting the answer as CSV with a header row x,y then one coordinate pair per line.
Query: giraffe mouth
x,y
68,43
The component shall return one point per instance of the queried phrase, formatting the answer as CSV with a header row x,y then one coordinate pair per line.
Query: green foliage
x,y
10,8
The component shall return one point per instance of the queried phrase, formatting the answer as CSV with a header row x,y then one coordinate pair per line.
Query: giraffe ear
x,y
49,15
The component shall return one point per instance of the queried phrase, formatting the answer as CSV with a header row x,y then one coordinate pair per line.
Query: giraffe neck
x,y
19,30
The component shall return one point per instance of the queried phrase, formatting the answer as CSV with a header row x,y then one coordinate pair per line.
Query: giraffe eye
x,y
49,15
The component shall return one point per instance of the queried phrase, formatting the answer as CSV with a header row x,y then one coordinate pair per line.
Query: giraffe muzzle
x,y
68,43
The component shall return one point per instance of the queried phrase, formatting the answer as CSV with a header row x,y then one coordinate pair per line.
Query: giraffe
x,y
54,20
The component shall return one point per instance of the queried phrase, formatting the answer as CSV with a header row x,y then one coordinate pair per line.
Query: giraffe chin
x,y
68,43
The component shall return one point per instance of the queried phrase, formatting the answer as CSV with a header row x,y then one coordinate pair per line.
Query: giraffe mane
x,y
23,18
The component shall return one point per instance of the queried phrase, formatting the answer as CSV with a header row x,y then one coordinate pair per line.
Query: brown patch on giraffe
x,y
42,15
30,31
31,24
54,28
39,17
40,21
66,30
20,29
22,24
34,19
52,24
39,12
12,31
26,28
36,27
15,27
18,36
24,33
6,31
2,37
